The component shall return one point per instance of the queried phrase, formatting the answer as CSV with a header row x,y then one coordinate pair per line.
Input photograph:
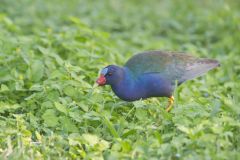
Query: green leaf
x,y
37,70
126,147
68,125
90,139
60,107
70,91
110,127
76,116
8,107
141,114
4,88
129,132
50,118
95,142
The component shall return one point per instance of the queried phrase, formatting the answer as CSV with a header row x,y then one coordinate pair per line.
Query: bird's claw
x,y
170,103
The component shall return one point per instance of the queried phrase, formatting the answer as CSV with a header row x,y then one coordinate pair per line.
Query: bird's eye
x,y
109,73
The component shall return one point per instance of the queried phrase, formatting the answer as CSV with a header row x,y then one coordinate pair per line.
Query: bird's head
x,y
110,75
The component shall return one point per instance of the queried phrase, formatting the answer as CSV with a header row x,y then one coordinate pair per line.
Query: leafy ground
x,y
50,56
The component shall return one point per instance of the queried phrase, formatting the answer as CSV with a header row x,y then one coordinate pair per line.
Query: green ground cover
x,y
50,56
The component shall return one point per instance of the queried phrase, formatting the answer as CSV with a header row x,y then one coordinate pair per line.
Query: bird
x,y
154,74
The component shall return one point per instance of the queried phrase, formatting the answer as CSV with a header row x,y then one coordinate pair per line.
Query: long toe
x,y
170,104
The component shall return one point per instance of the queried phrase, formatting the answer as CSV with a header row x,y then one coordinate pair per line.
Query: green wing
x,y
173,65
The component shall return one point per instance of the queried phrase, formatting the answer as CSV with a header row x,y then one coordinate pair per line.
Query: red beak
x,y
101,80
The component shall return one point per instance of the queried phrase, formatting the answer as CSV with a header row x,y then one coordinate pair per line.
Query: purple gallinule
x,y
153,74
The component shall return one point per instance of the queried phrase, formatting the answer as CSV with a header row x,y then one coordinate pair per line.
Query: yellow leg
x,y
170,103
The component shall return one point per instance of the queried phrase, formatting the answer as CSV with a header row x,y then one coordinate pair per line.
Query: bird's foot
x,y
170,103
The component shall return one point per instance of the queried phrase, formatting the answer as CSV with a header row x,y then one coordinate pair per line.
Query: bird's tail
x,y
198,68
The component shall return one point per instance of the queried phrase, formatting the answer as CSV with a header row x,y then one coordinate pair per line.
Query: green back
x,y
173,65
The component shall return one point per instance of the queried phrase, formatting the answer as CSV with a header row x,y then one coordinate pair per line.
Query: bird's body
x,y
147,85
153,74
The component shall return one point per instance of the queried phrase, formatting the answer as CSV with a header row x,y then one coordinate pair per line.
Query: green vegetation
x,y
50,56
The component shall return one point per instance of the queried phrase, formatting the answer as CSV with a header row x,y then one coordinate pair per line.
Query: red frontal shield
x,y
101,80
